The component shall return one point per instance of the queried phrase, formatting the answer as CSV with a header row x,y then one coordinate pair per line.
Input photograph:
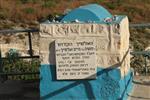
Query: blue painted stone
x,y
91,12
108,86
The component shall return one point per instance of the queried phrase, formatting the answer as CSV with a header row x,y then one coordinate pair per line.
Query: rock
x,y
147,30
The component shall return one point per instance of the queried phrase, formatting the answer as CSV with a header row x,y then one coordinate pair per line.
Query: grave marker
x,y
94,47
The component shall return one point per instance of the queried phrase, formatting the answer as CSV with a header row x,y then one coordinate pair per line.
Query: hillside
x,y
28,13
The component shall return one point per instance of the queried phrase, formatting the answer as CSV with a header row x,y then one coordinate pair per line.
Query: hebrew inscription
x,y
75,59
61,30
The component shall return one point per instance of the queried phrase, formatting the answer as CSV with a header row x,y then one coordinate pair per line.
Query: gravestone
x,y
86,51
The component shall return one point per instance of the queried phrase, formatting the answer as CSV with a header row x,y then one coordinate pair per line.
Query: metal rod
x,y
17,31
1,67
146,69
143,25
145,53
1,62
20,73
30,44
24,57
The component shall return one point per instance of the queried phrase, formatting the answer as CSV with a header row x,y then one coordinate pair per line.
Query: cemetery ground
x,y
29,90
19,90
141,88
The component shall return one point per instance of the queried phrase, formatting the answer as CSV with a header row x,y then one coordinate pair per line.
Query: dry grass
x,y
35,10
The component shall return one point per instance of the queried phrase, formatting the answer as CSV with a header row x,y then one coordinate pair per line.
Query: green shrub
x,y
111,5
24,1
138,64
15,65
3,15
49,3
29,1
100,1
114,4
29,10
12,55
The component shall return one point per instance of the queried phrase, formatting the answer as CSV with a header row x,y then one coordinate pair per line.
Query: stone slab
x,y
75,59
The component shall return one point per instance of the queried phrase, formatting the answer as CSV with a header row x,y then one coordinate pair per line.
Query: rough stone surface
x,y
112,42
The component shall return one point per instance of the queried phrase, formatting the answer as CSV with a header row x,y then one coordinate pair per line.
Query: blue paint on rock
x,y
91,12
108,86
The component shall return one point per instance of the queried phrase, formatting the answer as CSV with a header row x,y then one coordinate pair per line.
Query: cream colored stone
x,y
23,50
75,59
73,29
112,42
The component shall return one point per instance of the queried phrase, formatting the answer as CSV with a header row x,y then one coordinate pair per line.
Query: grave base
x,y
109,85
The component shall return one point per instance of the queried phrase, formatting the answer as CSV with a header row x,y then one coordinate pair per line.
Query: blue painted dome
x,y
91,12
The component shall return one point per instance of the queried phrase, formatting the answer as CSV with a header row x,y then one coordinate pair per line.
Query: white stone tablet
x,y
75,59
